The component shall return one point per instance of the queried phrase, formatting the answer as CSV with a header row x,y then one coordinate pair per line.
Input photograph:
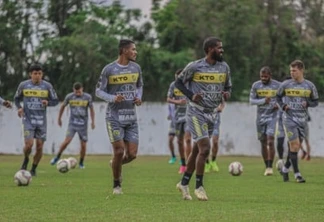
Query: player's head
x,y
177,73
297,69
213,48
35,72
265,74
78,89
127,48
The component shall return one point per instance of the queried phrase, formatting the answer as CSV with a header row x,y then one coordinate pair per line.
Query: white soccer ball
x,y
22,178
63,165
73,162
235,168
280,164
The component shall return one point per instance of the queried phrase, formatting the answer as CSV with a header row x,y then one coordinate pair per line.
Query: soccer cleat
x,y
33,173
213,166
300,179
172,160
207,167
285,176
117,190
268,172
182,169
81,166
54,160
184,189
201,194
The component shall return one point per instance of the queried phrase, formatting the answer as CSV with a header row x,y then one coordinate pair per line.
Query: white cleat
x,y
117,191
184,190
268,172
201,194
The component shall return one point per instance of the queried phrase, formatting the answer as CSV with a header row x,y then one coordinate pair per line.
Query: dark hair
x,y
266,69
77,85
209,43
124,43
178,71
35,67
297,63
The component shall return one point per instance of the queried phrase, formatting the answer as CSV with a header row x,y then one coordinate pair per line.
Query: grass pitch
x,y
150,193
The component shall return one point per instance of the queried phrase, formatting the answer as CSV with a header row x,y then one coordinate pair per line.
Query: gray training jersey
x,y
294,94
32,95
210,80
79,106
180,110
259,91
124,80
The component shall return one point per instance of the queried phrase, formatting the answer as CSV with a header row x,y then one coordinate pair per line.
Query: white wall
x,y
238,133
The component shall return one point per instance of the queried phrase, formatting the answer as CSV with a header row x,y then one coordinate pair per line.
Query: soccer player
x,y
294,96
263,95
212,165
171,133
175,96
121,85
208,82
5,103
79,103
36,94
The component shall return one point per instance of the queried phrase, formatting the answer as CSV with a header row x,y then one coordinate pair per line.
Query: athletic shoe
x,y
182,169
33,173
300,179
213,166
184,190
81,166
207,167
54,160
117,190
268,172
285,176
201,194
173,160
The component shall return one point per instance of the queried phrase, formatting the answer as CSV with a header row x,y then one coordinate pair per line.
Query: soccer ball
x,y
22,178
235,168
73,162
280,164
63,165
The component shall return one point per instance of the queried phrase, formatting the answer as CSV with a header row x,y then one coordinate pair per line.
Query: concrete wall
x,y
238,133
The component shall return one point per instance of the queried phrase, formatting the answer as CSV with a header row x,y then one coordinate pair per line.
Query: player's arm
x,y
5,103
313,101
185,76
171,111
18,96
254,100
279,98
101,92
221,106
92,113
139,89
52,96
228,85
62,108
170,97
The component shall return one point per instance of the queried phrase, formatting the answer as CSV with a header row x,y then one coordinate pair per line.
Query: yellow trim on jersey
x,y
110,133
212,77
196,126
123,78
78,102
267,92
35,93
177,92
298,92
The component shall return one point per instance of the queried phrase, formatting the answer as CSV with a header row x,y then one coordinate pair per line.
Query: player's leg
x,y
180,139
261,130
215,142
83,136
270,132
188,143
307,143
280,133
173,158
29,133
131,142
40,136
68,138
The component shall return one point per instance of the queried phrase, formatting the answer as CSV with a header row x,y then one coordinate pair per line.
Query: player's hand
x,y
93,125
137,101
182,102
197,97
45,102
275,106
304,104
119,98
169,117
267,100
20,112
226,95
7,104
59,122
286,108
219,108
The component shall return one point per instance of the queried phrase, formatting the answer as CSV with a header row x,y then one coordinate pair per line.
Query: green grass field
x,y
150,194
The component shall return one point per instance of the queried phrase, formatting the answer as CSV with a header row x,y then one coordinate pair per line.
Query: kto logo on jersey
x,y
266,92
209,77
78,102
298,92
124,78
35,93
